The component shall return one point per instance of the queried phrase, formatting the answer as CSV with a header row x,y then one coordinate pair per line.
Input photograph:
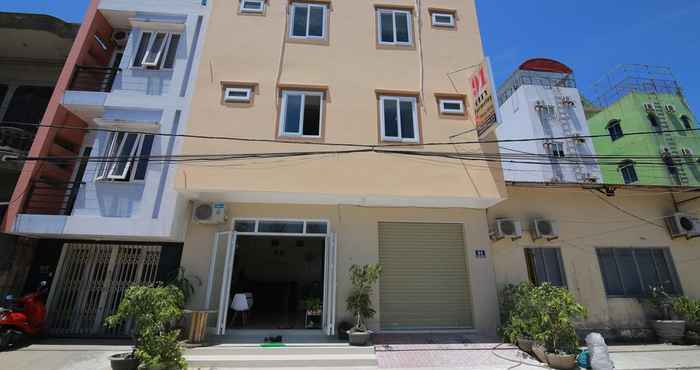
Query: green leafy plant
x,y
545,313
313,304
688,309
659,304
359,301
152,309
187,283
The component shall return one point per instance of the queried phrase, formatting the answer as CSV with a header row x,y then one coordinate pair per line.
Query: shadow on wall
x,y
677,124
112,199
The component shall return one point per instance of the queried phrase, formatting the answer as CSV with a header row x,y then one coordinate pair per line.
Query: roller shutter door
x,y
425,282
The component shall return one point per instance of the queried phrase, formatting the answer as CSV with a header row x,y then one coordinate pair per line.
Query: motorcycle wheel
x,y
4,339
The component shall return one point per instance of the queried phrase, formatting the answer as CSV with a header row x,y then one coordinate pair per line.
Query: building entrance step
x,y
291,356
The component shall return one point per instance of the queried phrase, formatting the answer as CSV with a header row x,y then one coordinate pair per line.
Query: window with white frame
x,y
157,50
394,26
451,106
308,21
302,113
238,94
556,149
443,19
125,157
252,6
399,118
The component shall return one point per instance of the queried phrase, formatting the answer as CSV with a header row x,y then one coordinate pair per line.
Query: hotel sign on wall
x,y
485,99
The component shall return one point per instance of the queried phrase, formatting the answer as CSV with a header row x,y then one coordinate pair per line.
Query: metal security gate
x,y
90,282
425,282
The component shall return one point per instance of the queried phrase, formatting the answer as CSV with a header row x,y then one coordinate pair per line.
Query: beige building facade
x,y
609,249
319,91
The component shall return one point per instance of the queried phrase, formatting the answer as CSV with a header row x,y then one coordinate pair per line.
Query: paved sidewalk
x,y
92,355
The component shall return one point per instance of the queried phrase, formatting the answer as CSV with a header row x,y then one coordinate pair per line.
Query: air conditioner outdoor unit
x,y
681,224
567,101
545,229
649,107
670,108
119,37
507,228
209,213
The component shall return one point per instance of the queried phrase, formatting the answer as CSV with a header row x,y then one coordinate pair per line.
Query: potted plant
x,y
514,306
541,318
359,302
689,310
668,327
152,309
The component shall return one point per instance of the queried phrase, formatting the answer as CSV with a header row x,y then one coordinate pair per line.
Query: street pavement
x,y
91,355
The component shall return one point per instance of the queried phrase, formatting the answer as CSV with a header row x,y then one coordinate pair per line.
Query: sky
x,y
590,36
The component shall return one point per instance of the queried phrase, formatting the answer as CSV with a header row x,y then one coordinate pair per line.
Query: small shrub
x,y
688,309
359,301
152,309
545,313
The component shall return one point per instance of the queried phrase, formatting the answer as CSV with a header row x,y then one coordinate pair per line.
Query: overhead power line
x,y
383,145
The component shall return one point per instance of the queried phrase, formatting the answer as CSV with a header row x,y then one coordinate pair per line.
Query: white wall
x,y
521,120
150,209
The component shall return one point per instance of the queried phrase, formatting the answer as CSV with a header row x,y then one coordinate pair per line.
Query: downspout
x,y
419,44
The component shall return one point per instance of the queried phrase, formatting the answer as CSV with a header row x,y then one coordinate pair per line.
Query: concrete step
x,y
322,356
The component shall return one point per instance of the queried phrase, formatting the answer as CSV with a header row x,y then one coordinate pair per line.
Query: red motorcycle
x,y
22,319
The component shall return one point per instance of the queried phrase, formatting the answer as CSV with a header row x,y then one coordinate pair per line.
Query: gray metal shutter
x,y
425,282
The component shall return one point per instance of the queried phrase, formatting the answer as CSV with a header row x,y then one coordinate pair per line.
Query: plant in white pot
x,y
689,310
665,321
359,301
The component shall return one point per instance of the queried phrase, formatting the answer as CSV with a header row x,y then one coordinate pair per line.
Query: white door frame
x,y
329,279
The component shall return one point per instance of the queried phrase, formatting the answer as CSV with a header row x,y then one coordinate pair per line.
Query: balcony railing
x,y
98,79
51,198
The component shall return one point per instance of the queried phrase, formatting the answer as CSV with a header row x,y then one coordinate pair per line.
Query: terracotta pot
x,y
669,331
540,352
562,362
124,361
525,345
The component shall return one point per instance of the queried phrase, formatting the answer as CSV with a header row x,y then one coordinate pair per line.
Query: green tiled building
x,y
639,99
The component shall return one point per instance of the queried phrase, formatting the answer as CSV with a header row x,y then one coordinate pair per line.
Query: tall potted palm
x,y
359,302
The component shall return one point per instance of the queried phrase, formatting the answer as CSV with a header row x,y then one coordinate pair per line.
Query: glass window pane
x,y
551,261
316,228
172,52
402,27
252,5
125,154
281,227
145,152
3,91
155,49
647,269
244,226
628,270
293,114
443,19
407,124
145,38
391,119
452,106
608,267
387,27
539,266
664,272
299,22
312,115
316,14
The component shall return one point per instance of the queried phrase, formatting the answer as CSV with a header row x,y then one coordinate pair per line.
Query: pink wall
x,y
84,52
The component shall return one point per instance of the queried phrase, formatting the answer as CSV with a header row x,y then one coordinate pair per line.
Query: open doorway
x,y
277,282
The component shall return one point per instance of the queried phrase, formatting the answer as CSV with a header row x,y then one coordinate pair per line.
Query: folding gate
x,y
90,282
